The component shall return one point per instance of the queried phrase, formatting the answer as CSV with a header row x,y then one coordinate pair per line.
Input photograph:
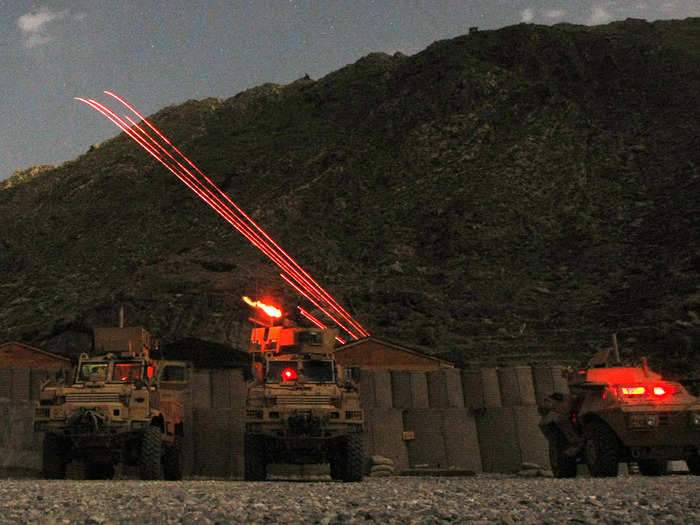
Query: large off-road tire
x,y
354,457
335,460
99,470
172,460
652,467
694,465
151,451
255,468
563,466
602,450
53,459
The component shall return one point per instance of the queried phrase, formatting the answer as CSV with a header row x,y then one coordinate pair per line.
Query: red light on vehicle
x,y
633,390
289,374
659,391
149,372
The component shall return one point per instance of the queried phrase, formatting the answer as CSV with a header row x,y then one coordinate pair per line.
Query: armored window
x,y
124,372
310,337
275,369
93,372
316,371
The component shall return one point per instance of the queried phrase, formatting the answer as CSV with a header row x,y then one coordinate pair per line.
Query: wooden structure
x,y
371,353
19,355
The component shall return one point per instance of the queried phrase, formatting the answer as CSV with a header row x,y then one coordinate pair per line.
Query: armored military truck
x,y
298,409
614,413
120,407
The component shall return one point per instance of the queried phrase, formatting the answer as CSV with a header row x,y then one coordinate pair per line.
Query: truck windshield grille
x,y
304,400
92,397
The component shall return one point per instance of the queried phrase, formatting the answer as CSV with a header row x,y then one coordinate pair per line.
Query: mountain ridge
x,y
515,195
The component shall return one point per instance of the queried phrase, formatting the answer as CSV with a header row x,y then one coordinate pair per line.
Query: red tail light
x,y
652,391
633,390
289,374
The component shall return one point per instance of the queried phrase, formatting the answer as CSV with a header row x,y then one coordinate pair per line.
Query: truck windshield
x,y
276,368
124,372
93,372
316,371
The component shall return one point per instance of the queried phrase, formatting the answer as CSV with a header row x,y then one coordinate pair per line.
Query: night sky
x,y
158,53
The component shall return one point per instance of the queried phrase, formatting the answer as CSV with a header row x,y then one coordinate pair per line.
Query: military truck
x,y
120,407
613,414
298,408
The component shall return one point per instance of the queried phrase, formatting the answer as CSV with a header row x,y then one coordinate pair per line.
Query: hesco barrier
x,y
478,419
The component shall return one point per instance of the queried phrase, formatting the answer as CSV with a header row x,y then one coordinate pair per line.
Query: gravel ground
x,y
479,499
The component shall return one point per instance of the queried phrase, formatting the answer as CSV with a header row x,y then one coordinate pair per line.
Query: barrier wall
x,y
480,419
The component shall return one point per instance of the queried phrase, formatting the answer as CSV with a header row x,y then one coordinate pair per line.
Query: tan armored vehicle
x,y
298,410
619,414
121,407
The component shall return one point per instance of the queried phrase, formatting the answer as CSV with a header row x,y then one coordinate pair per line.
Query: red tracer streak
x,y
305,284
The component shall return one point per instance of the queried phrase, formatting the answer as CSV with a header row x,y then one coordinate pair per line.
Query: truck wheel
x,y
53,459
354,458
172,460
335,459
602,450
563,466
652,467
694,465
151,451
255,460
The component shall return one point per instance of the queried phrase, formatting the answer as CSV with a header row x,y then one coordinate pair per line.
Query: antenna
x,y
616,348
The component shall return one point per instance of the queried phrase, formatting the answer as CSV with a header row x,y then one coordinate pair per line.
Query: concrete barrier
x,y
509,437
532,444
375,389
401,389
228,388
498,440
516,386
427,448
461,440
445,388
491,388
561,384
218,438
20,446
472,388
201,389
547,380
419,390
384,437
543,382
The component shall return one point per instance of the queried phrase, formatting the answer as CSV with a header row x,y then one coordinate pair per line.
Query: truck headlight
x,y
643,420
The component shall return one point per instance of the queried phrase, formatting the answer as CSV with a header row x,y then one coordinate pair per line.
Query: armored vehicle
x,y
615,413
120,407
298,410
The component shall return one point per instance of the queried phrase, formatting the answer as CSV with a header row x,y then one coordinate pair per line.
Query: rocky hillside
x,y
508,196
